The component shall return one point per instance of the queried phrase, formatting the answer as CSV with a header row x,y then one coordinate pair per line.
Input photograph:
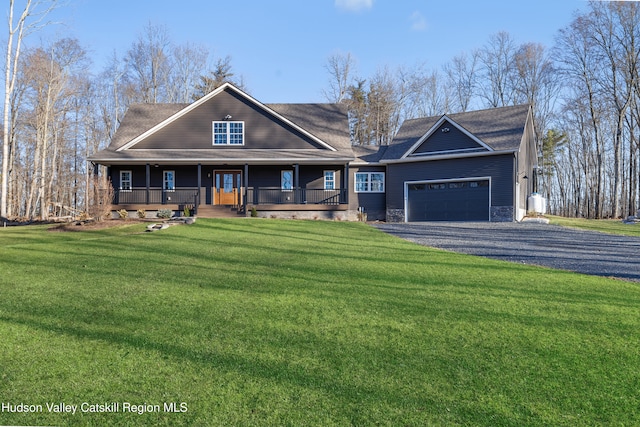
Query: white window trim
x,y
456,151
369,190
333,179
228,134
130,181
282,172
164,180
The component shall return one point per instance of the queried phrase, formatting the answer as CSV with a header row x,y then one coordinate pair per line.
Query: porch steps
x,y
209,211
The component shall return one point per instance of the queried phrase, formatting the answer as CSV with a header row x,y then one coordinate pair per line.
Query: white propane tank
x,y
537,204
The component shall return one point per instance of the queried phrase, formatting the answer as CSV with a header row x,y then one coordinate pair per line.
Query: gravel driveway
x,y
586,252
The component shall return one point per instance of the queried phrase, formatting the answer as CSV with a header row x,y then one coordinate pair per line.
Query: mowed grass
x,y
269,322
611,226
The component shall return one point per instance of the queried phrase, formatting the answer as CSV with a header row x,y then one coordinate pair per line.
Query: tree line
x,y
56,112
584,93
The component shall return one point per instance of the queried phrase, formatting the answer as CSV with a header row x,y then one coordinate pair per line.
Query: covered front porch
x,y
207,190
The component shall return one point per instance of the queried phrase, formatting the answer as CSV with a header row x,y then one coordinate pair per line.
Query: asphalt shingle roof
x,y
327,122
369,153
139,118
499,128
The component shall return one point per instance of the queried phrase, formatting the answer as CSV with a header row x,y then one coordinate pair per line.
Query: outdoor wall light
x,y
228,117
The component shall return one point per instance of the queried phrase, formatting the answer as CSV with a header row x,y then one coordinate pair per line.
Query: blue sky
x,y
281,47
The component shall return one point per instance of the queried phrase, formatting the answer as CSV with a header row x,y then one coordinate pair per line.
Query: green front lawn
x,y
611,226
269,322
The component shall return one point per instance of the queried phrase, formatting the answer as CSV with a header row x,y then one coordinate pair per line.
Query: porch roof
x,y
225,156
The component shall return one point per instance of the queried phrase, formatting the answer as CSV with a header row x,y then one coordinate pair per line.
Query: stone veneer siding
x,y
498,214
304,214
395,215
501,213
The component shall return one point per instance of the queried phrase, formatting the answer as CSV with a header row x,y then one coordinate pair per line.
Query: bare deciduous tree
x,y
498,80
53,79
149,65
35,11
599,57
357,107
425,94
462,73
615,30
537,83
340,68
189,62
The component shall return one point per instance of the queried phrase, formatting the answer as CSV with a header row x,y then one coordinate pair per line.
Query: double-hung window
x,y
369,182
228,133
329,180
169,181
125,180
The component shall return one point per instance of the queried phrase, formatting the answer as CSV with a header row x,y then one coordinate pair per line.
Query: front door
x,y
227,185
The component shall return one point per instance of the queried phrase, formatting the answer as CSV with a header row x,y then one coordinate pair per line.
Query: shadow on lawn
x,y
424,289
281,372
341,388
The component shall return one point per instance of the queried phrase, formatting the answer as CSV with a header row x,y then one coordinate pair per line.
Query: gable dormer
x,y
446,137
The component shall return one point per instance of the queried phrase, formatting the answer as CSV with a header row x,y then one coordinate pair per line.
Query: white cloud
x,y
418,21
354,5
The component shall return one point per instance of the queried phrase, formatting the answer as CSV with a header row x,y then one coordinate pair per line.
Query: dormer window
x,y
228,133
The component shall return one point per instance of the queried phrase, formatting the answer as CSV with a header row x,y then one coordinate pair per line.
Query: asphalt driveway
x,y
585,252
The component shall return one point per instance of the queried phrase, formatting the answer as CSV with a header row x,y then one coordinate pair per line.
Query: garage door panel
x,y
449,201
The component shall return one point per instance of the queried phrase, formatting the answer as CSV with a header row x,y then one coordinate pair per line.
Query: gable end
x,y
446,137
225,92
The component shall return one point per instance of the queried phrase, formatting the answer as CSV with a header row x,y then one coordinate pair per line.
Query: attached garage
x,y
449,200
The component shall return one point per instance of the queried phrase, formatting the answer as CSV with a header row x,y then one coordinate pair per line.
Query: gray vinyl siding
x,y
453,139
374,204
498,167
138,176
527,161
186,176
311,177
194,129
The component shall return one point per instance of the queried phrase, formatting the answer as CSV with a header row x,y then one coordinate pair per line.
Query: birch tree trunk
x,y
11,65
